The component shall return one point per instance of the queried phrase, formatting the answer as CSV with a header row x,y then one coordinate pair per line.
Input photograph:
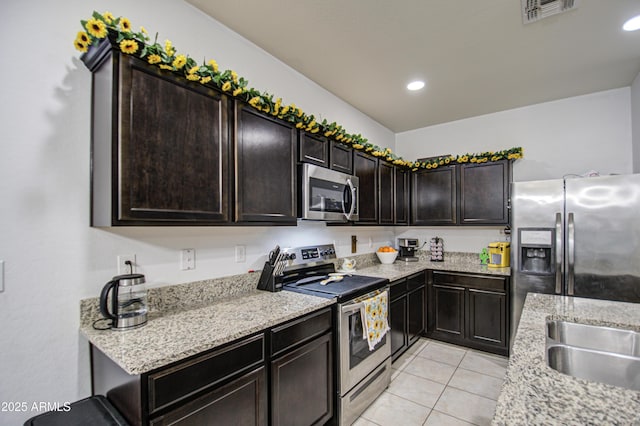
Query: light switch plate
x,y
241,254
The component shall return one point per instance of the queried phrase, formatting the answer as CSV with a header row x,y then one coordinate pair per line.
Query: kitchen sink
x,y
603,354
608,339
606,367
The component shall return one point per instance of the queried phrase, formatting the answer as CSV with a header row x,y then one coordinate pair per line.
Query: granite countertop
x,y
455,262
174,334
534,393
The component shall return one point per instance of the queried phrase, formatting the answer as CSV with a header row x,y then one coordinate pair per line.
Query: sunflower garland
x,y
105,25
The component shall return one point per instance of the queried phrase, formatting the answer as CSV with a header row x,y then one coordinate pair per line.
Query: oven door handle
x,y
351,307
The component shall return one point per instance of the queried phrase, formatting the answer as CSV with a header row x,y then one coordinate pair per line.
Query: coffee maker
x,y
128,296
407,248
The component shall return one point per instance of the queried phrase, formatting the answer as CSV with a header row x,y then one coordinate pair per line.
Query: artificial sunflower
x,y
108,17
129,46
214,65
125,25
83,38
79,45
180,61
226,86
154,59
205,80
96,28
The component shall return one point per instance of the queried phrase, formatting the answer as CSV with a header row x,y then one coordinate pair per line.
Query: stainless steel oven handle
x,y
351,308
353,200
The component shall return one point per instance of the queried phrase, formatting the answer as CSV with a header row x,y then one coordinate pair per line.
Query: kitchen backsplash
x,y
201,293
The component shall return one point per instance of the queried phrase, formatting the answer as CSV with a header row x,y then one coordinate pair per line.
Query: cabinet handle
x,y
449,287
473,290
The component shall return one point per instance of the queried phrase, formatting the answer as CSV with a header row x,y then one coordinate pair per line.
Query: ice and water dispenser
x,y
536,251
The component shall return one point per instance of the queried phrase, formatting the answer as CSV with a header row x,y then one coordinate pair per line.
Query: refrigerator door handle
x,y
559,253
571,256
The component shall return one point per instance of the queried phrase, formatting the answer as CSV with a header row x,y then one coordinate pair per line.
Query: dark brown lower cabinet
x,y
407,307
302,385
240,402
302,376
281,376
470,310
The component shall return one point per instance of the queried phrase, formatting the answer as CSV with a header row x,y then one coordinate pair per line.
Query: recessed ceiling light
x,y
632,24
415,85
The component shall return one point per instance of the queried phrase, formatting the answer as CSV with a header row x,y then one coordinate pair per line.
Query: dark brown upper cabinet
x,y
387,191
313,149
402,196
434,197
159,145
484,193
393,194
265,164
341,157
462,194
365,167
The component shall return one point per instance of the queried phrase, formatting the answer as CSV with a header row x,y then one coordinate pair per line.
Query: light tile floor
x,y
435,383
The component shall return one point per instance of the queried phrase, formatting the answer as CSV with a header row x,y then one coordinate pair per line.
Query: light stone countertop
x,y
172,335
190,318
534,393
454,262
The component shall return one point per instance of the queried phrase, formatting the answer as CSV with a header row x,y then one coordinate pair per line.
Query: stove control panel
x,y
310,254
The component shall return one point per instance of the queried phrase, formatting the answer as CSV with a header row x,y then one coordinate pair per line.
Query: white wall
x,y
52,257
574,135
635,122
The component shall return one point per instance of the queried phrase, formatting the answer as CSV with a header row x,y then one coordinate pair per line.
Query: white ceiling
x,y
476,56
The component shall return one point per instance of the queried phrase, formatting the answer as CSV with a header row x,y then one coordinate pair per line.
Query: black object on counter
x,y
95,411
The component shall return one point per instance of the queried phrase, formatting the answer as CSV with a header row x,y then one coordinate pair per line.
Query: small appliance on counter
x,y
128,295
499,254
407,248
436,247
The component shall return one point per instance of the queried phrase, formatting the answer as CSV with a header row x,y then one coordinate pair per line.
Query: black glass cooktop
x,y
349,287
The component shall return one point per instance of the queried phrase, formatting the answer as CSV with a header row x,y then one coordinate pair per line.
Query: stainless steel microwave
x,y
328,195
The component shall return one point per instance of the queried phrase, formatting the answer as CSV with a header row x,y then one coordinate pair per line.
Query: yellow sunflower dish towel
x,y
374,319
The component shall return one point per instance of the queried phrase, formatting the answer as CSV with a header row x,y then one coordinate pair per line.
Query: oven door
x,y
328,195
356,360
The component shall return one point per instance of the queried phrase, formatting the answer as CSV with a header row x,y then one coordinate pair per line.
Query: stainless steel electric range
x,y
363,374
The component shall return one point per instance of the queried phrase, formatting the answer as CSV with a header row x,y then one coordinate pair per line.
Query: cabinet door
x,y
448,310
433,196
398,325
313,149
401,196
487,317
484,193
171,149
265,155
415,314
302,387
240,402
386,193
341,158
365,167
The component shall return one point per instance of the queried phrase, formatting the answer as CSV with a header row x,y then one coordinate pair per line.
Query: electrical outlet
x,y
241,254
123,268
188,259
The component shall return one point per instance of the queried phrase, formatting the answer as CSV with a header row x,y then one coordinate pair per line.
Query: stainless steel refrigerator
x,y
575,237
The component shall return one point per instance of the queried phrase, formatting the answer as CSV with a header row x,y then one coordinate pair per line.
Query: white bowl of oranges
x,y
387,254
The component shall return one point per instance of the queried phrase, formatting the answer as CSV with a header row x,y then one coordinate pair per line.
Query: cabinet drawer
x,y
471,281
416,281
300,330
185,379
398,288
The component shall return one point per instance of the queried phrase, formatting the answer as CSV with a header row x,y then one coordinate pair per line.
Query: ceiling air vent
x,y
534,10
